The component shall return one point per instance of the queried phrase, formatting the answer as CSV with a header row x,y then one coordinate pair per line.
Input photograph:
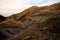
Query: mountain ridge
x,y
35,23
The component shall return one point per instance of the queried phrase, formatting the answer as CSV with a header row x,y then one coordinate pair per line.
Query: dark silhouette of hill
x,y
35,23
2,18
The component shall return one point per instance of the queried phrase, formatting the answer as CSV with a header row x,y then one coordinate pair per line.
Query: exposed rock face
x,y
36,23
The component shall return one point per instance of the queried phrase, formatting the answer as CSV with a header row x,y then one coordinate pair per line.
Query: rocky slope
x,y
35,23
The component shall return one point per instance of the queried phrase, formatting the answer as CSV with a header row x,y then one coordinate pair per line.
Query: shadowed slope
x,y
2,18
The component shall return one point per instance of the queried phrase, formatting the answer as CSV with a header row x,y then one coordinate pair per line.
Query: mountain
x,y
35,23
2,18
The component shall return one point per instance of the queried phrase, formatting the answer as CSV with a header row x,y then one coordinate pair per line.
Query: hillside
x,y
2,18
35,23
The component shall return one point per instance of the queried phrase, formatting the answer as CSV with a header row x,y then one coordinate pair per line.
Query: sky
x,y
9,7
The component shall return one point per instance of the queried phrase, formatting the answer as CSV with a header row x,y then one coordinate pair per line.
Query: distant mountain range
x,y
34,23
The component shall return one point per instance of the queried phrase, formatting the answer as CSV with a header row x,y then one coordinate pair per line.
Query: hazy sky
x,y
9,7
